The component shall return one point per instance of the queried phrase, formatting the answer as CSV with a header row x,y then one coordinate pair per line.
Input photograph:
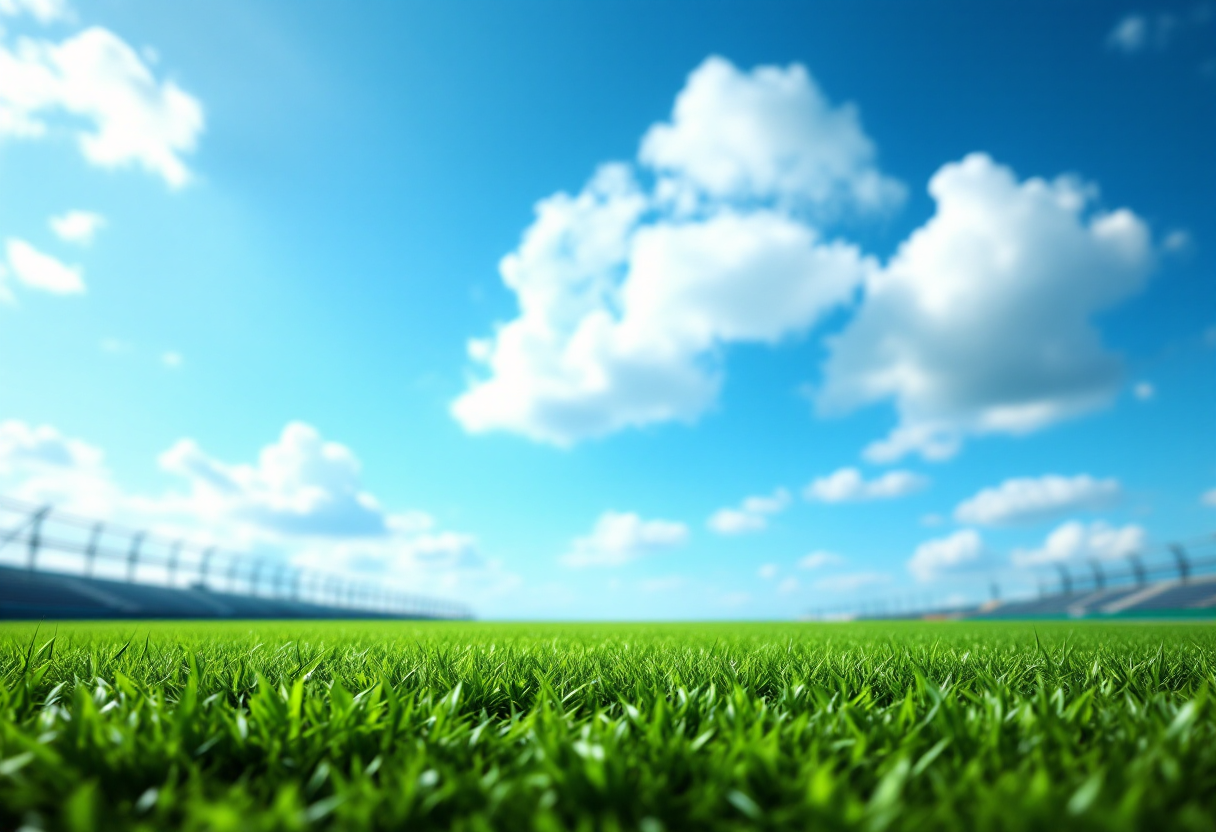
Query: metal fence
x,y
1181,562
45,539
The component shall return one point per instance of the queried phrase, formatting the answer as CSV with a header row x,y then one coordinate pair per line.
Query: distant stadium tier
x,y
1177,580
1196,595
58,565
37,595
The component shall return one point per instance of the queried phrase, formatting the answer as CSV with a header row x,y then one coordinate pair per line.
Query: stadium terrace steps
x,y
32,595
1195,593
1142,595
1099,600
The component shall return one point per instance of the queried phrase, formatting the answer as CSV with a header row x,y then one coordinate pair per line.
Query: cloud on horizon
x,y
302,498
952,553
1075,542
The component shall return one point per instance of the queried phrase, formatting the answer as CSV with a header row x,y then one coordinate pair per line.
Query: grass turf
x,y
710,726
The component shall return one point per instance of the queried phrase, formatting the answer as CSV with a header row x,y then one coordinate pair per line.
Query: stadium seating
x,y
1196,593
1160,596
31,595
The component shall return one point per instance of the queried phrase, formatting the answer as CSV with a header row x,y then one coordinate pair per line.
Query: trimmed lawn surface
x,y
407,725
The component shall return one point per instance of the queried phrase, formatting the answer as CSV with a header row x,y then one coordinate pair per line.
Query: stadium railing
x,y
1170,576
44,539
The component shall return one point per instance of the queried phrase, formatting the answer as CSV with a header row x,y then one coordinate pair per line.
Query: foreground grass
x,y
483,726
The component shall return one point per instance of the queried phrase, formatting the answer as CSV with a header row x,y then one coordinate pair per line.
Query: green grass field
x,y
511,726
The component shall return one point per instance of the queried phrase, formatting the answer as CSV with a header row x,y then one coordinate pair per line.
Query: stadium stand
x,y
1196,593
36,595
1174,580
49,564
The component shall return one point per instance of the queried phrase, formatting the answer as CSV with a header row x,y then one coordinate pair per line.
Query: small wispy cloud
x,y
847,485
1076,541
620,537
77,226
1139,32
751,515
819,559
935,557
1027,499
39,270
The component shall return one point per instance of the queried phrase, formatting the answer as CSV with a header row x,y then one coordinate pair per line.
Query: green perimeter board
x,y
479,726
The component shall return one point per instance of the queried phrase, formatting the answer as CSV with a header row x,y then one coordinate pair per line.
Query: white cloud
x,y
982,321
788,586
1075,541
934,442
1135,33
96,76
1177,241
41,465
24,446
752,515
1144,391
768,134
944,554
768,571
42,271
172,360
852,581
440,561
1028,499
77,226
734,521
446,564
300,485
628,299
302,498
1209,498
819,559
44,11
620,537
848,485
767,504
648,349
1130,34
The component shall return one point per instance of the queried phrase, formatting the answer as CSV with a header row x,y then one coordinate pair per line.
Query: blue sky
x,y
574,310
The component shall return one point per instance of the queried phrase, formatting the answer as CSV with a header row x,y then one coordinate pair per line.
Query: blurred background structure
x,y
1174,580
55,564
